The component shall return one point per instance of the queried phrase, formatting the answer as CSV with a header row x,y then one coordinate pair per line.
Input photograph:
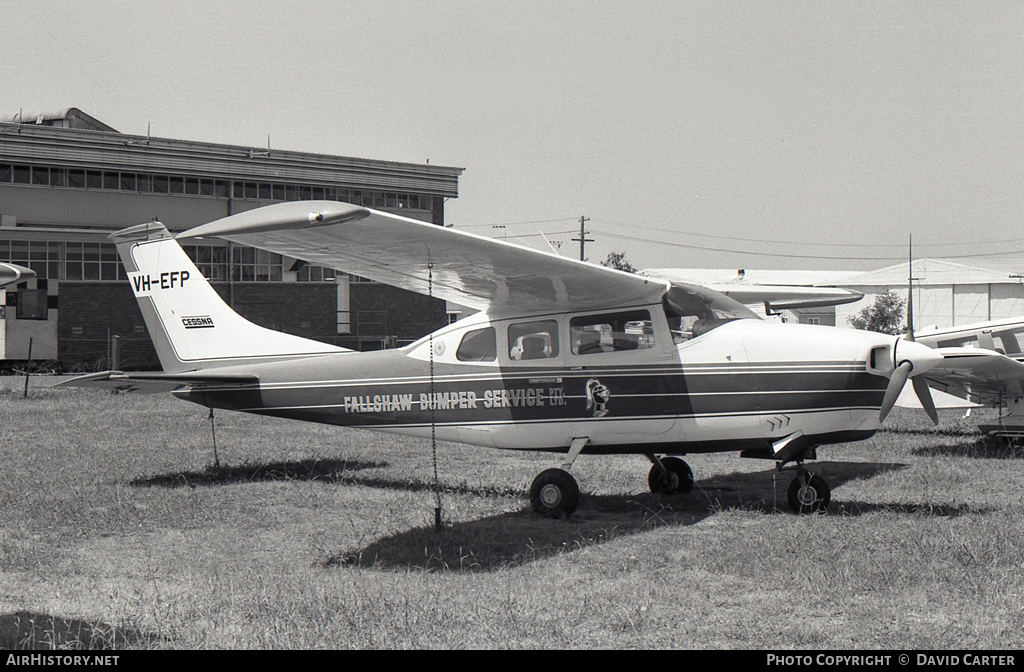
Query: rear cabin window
x,y
533,340
480,345
611,332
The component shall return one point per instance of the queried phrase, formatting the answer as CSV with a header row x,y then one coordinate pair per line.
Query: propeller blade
x,y
892,392
924,394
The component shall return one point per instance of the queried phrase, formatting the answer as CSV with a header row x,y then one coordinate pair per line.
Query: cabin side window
x,y
533,340
611,332
1011,341
479,345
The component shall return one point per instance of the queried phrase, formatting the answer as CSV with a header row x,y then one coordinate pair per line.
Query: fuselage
x,y
740,385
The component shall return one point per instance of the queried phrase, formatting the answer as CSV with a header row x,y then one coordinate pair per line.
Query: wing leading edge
x,y
498,277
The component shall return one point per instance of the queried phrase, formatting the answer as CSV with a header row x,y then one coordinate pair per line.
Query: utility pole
x,y
583,240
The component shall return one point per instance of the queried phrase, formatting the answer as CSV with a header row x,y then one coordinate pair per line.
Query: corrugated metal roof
x,y
72,116
929,272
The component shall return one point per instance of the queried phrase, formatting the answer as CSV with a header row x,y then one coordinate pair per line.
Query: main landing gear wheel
x,y
809,493
676,479
555,493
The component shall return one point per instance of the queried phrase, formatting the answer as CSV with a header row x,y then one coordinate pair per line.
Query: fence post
x,y
28,366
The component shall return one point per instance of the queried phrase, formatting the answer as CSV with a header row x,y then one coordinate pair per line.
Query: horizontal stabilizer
x,y
152,383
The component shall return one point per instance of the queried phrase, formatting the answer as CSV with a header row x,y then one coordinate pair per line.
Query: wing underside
x,y
471,270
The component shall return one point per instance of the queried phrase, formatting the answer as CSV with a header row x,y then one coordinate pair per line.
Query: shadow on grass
x,y
328,471
518,537
24,630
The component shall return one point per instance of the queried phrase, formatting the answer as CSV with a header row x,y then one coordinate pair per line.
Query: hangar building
x,y
67,180
946,293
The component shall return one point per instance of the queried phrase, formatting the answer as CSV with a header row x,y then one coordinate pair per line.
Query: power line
x,y
802,256
807,243
537,221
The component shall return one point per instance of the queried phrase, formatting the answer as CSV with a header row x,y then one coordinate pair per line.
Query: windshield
x,y
693,310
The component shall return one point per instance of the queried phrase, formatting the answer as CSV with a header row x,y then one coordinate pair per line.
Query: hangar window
x,y
144,183
22,175
264,191
40,175
191,185
128,182
76,178
31,304
161,184
315,274
479,345
111,180
533,340
6,171
58,177
93,179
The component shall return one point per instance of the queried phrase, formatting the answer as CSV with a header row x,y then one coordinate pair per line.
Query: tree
x,y
618,261
885,315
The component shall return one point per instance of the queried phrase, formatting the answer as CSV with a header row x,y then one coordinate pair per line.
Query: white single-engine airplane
x,y
564,357
983,364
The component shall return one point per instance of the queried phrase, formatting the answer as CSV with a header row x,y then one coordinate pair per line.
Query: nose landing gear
x,y
808,493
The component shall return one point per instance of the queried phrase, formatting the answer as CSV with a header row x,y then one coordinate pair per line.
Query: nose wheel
x,y
809,493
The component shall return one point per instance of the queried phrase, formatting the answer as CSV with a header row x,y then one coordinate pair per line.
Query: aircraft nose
x,y
920,357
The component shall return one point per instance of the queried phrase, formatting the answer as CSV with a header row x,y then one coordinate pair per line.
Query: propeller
x,y
910,360
907,359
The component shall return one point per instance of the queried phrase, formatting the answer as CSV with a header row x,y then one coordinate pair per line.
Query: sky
x,y
744,134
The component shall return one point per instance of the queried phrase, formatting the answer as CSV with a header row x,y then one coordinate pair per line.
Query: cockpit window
x,y
533,340
479,345
611,332
693,310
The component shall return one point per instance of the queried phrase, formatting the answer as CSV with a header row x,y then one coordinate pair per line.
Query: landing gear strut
x,y
808,493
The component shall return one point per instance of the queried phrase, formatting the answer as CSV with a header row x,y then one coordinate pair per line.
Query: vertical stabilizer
x,y
190,324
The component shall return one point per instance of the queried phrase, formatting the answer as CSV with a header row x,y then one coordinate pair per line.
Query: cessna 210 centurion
x,y
564,356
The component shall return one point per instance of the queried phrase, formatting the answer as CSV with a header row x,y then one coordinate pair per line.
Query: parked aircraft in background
x,y
564,356
12,273
777,290
983,365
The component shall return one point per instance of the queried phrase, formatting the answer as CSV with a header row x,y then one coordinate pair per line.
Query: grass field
x,y
116,530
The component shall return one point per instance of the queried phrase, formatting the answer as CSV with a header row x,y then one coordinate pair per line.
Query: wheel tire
x,y
813,496
555,494
678,480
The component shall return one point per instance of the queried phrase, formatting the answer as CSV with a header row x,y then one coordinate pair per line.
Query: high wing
x,y
497,277
152,383
978,375
778,290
